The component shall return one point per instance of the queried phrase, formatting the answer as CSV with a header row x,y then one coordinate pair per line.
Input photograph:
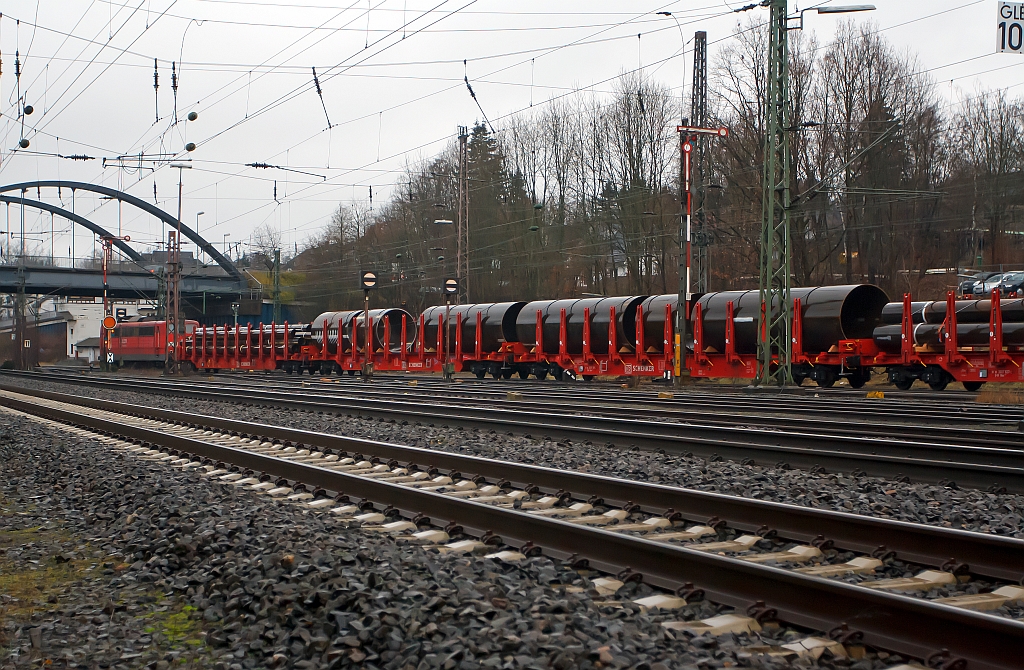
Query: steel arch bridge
x,y
127,198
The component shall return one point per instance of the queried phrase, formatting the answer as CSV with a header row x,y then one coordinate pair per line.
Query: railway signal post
x,y
688,137
368,279
451,287
108,318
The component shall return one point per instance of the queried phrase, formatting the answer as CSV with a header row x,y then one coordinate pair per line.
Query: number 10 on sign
x,y
1010,29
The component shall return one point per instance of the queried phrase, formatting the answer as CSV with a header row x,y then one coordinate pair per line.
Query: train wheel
x,y
480,372
858,379
524,373
972,386
825,376
588,378
799,380
903,383
557,373
506,373
351,373
938,385
540,373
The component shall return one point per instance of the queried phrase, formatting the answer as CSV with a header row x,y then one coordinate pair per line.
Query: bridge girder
x,y
134,201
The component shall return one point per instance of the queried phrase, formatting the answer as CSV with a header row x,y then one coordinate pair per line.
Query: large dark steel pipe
x,y
575,309
967,311
830,314
887,338
497,324
341,322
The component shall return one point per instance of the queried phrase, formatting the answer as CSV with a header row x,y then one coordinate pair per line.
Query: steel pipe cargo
x,y
929,335
967,311
600,312
497,325
342,322
830,314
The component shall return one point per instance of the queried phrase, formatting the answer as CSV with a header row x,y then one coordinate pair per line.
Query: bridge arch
x,y
200,242
75,218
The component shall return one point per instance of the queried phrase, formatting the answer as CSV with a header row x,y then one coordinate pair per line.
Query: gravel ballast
x,y
143,565
967,509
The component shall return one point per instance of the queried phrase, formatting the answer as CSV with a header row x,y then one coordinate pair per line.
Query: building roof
x,y
89,342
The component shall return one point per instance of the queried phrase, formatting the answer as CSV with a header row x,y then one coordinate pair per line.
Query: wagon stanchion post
x,y
907,331
387,342
798,332
405,340
259,346
952,350
613,344
996,355
323,347
420,339
700,358
353,346
563,345
586,336
286,355
730,334
478,344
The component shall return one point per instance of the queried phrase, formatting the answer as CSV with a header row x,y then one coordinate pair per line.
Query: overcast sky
x,y
391,72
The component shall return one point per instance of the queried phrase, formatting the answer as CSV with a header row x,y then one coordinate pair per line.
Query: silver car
x,y
983,289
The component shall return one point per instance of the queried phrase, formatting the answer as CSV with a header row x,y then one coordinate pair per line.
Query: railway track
x,y
699,402
667,536
985,467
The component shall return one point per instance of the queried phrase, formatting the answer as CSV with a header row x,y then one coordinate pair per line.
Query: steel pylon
x,y
701,160
774,345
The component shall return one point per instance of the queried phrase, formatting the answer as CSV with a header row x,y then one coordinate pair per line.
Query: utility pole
x,y
462,232
277,286
701,160
775,321
174,320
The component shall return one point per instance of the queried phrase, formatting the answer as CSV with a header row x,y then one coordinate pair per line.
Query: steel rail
x,y
689,413
987,555
917,460
717,401
906,625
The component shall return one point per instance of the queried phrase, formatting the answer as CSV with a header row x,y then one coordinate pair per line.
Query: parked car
x,y
966,287
1012,285
983,288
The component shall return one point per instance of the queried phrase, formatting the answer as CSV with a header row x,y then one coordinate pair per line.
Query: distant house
x,y
88,350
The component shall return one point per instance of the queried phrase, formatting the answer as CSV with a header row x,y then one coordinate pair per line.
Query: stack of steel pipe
x,y
341,322
972,317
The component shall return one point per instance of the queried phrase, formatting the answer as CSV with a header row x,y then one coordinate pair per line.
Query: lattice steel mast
x,y
701,160
774,346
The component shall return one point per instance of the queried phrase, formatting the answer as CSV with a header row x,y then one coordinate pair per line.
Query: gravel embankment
x,y
141,565
968,509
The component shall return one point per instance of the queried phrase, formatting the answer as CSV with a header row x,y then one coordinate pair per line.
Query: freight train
x,y
839,332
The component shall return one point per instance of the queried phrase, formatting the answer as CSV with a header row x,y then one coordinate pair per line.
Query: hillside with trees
x,y
581,195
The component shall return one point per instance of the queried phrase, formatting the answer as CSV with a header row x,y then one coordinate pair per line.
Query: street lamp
x,y
841,9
